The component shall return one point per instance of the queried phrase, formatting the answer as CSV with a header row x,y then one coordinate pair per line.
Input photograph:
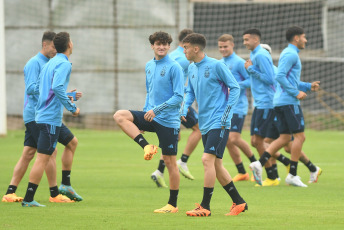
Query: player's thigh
x,y
121,115
66,136
140,122
215,141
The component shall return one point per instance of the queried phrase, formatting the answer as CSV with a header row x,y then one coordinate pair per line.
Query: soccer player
x,y
287,105
164,85
31,73
260,68
209,81
237,68
192,121
54,79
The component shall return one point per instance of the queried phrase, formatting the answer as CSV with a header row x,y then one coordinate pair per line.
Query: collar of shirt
x,y
229,57
62,55
164,59
41,56
293,47
257,49
202,61
180,49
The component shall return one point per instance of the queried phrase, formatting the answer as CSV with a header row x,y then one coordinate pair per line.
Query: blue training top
x,y
31,72
164,84
262,78
237,67
209,81
53,83
288,78
179,56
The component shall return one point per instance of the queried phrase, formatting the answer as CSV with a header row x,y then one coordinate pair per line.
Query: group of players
x,y
219,87
173,82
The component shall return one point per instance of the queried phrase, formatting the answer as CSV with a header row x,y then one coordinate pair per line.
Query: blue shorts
x,y
47,140
261,119
214,142
273,132
191,118
168,137
237,123
290,119
32,133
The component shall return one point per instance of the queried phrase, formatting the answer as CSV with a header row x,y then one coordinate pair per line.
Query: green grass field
x,y
114,180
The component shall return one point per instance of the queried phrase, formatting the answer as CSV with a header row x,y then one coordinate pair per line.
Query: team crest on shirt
x,y
163,71
206,72
193,76
149,71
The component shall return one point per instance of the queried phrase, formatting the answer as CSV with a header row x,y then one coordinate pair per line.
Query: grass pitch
x,y
109,172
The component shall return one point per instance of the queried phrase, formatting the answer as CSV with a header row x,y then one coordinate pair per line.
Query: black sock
x,y
234,194
11,189
207,194
30,192
253,158
284,160
270,172
54,191
66,177
141,140
274,167
241,168
161,166
311,166
173,197
264,158
293,168
184,158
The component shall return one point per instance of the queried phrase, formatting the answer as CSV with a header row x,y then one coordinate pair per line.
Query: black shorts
x,y
290,119
191,118
214,142
31,134
237,123
47,140
168,137
273,132
261,119
65,135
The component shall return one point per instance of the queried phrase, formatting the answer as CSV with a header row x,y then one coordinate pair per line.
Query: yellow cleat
x,y
241,177
12,197
269,182
150,151
167,209
60,199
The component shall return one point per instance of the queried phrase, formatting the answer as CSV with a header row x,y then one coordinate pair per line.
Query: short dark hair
x,y
184,33
292,31
48,36
61,41
196,39
253,31
163,37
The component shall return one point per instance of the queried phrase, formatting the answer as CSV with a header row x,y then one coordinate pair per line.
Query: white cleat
x,y
158,178
257,171
183,169
294,180
315,175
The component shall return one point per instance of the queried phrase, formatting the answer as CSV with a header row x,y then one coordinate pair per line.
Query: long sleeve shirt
x,y
237,67
54,80
262,78
209,81
165,90
32,70
288,78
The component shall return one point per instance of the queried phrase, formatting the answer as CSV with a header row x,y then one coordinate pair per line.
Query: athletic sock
x,y
207,194
173,197
241,168
293,167
284,160
233,193
264,158
184,158
274,167
11,189
161,166
30,192
139,139
66,177
54,191
311,166
252,158
270,172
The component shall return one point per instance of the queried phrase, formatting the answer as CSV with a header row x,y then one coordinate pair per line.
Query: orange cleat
x,y
241,177
199,211
237,209
150,151
12,197
60,199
